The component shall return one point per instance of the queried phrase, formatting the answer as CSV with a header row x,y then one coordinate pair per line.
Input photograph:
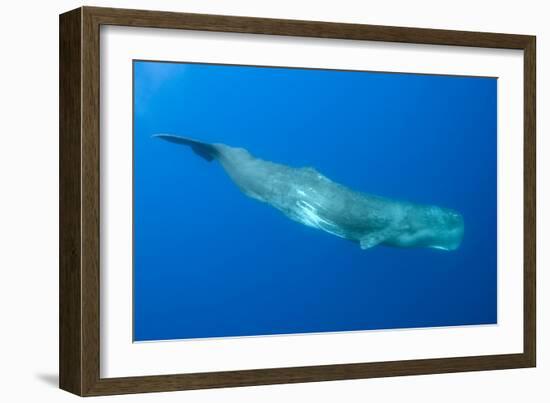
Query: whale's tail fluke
x,y
204,150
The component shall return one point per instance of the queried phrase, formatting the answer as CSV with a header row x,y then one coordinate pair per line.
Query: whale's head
x,y
440,228
431,227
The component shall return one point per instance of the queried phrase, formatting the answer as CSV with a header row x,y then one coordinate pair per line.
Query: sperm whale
x,y
310,198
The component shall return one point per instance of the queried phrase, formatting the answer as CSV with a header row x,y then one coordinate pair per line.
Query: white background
x,y
29,199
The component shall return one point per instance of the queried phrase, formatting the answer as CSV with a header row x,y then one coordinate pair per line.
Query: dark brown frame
x,y
79,323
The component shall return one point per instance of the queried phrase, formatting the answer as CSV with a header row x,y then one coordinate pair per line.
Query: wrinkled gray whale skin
x,y
306,196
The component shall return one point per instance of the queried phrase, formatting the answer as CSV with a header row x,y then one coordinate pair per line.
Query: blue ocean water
x,y
212,262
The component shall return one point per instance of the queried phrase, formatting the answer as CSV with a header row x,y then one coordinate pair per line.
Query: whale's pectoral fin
x,y
204,150
373,239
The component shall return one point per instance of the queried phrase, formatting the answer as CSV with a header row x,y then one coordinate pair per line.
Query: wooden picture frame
x,y
79,201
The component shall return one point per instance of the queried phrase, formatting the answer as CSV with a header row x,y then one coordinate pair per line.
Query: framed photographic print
x,y
249,201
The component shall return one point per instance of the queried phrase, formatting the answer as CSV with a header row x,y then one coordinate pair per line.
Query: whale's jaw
x,y
449,240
